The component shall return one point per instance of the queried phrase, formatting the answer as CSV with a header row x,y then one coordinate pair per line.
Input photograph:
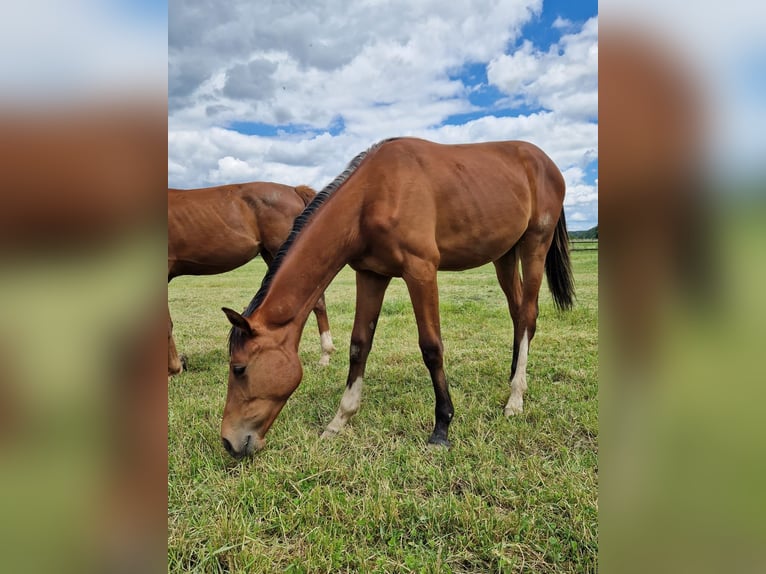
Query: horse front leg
x,y
370,289
424,294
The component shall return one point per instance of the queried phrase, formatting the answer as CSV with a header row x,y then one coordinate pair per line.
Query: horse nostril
x,y
228,447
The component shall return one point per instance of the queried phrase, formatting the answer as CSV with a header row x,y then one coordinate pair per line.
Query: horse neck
x,y
318,253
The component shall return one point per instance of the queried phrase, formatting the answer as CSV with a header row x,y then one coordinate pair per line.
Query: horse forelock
x,y
237,337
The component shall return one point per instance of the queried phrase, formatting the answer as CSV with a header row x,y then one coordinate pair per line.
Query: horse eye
x,y
238,370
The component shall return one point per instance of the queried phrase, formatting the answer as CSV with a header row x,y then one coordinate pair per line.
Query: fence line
x,y
583,244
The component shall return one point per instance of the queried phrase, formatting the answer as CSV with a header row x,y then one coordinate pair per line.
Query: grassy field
x,y
512,495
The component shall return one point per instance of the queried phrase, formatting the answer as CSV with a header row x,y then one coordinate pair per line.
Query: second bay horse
x,y
404,208
217,229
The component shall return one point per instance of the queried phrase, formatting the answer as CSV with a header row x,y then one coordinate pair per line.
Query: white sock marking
x,y
515,404
349,405
325,342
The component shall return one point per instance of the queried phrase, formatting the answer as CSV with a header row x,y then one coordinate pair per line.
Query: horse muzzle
x,y
244,447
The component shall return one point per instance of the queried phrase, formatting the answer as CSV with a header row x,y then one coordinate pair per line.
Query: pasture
x,y
513,494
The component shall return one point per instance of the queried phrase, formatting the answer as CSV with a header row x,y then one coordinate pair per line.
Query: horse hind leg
x,y
523,304
507,271
515,404
175,364
370,289
325,338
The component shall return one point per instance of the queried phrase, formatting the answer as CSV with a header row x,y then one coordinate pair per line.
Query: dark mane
x,y
237,337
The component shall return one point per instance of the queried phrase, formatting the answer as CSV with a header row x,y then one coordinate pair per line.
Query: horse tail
x,y
305,193
558,268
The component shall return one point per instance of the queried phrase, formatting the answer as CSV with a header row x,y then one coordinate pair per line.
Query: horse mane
x,y
237,337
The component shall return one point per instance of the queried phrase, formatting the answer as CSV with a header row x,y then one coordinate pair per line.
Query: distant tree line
x,y
591,233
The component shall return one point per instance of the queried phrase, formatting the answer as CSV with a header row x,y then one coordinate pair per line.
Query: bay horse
x,y
404,208
217,229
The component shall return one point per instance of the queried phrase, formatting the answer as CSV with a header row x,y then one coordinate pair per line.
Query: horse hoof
x,y
328,434
324,360
511,410
437,441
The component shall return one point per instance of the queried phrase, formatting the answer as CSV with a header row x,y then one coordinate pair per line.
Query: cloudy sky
x,y
291,90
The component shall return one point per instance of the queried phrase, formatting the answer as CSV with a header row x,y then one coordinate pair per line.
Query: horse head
x,y
264,370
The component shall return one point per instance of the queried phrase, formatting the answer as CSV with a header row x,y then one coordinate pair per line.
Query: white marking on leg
x,y
515,404
325,341
349,405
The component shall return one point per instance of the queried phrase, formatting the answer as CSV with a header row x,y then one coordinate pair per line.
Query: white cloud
x,y
55,50
710,44
564,79
581,201
568,142
377,69
219,156
233,169
330,58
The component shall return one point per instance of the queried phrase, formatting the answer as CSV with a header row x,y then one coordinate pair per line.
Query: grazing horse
x,y
404,208
217,229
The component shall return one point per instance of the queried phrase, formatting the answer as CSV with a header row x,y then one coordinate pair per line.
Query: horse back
x,y
469,204
216,229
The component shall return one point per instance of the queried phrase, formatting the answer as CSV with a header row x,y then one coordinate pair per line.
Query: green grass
x,y
512,495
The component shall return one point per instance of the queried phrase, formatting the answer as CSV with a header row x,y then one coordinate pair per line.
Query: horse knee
x,y
356,350
432,355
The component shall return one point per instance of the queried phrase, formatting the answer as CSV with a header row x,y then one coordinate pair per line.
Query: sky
x,y
291,91
721,47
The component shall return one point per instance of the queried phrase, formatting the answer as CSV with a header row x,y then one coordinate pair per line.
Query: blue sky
x,y
263,91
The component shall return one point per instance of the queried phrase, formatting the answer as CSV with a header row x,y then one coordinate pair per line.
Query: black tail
x,y
558,268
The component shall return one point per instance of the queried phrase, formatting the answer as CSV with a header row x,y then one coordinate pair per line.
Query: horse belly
x,y
469,240
206,240
474,254
203,255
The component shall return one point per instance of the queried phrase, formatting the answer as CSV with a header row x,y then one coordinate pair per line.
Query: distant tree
x,y
591,233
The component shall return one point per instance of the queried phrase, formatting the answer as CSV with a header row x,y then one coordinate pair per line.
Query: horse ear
x,y
238,320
